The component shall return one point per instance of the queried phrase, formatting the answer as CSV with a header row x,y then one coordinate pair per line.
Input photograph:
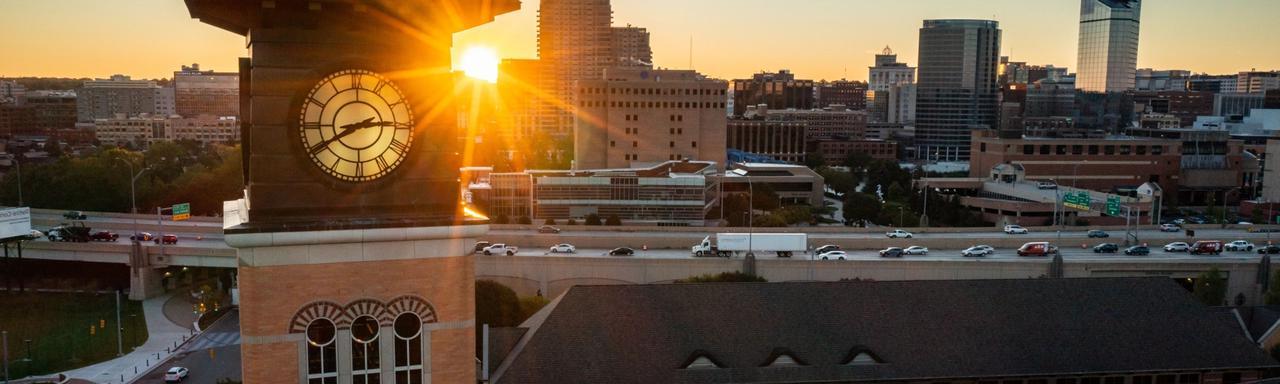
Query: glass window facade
x,y
1107,56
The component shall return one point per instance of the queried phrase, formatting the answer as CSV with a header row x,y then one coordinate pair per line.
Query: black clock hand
x,y
348,130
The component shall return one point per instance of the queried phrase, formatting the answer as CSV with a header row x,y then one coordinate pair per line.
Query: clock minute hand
x,y
348,130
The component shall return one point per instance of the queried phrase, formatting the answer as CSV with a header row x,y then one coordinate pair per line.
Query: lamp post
x,y
1075,173
133,196
18,164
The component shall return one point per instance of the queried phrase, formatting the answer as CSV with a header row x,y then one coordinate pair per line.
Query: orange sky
x,y
816,39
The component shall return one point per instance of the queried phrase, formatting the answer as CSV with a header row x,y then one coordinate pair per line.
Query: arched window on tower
x,y
408,352
322,359
364,351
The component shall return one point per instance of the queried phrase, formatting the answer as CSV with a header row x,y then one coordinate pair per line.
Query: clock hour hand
x,y
347,131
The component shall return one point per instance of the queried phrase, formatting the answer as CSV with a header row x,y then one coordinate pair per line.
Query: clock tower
x,y
355,261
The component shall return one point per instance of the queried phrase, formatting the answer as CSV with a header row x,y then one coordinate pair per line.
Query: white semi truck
x,y
738,244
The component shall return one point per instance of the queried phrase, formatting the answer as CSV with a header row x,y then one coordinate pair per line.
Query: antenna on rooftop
x,y
690,51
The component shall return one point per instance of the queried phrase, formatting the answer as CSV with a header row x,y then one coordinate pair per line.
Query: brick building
x,y
1107,164
835,152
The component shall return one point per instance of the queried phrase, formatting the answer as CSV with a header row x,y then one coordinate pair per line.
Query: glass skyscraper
x,y
1108,54
956,85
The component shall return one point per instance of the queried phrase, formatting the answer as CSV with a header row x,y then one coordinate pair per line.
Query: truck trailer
x,y
739,244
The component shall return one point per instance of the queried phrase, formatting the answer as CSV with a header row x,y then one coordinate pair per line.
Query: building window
x,y
982,147
1109,150
322,352
1077,149
672,145
1044,149
364,351
1141,149
612,144
1028,149
695,144
1125,149
1157,149
635,144
408,349
1062,150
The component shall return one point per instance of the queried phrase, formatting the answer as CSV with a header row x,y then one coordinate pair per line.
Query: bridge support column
x,y
145,283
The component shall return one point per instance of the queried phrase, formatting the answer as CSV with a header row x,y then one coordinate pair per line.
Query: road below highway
x,y
211,356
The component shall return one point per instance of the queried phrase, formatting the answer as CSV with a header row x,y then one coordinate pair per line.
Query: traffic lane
x,y
184,240
141,219
1069,253
205,365
1074,234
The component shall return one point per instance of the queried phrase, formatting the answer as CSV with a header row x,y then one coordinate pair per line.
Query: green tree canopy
x,y
860,206
1211,287
724,277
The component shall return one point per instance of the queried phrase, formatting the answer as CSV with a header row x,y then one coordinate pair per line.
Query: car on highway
x,y
622,251
833,255
1169,227
104,236
1239,245
481,245
75,215
548,229
1206,247
35,234
1015,230
1046,185
1178,221
1037,248
1106,248
1098,233
176,375
1137,250
142,236
978,251
168,238
563,248
1270,249
1176,246
826,248
916,250
501,249
891,252
898,233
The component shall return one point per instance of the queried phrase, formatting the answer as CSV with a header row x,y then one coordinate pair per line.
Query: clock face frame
x,y
355,125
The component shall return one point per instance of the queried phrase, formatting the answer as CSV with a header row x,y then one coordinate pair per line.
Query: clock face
x,y
355,125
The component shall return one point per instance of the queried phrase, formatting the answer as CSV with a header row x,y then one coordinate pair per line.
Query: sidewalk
x,y
163,334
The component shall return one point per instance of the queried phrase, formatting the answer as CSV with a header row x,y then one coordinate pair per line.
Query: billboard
x,y
15,222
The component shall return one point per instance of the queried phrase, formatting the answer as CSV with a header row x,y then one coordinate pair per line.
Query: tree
x,y
1272,296
525,220
571,222
724,277
593,219
502,219
549,221
496,304
815,159
857,160
613,220
1210,288
860,206
771,220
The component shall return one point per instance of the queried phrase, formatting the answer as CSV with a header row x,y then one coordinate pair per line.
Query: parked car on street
x,y
168,238
1137,250
833,255
622,251
1015,230
1098,233
891,252
563,248
104,236
1206,247
978,251
898,233
826,248
1239,245
1270,249
1106,248
1176,246
548,229
176,375
916,250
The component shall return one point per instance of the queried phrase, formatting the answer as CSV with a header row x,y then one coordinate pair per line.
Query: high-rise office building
x,y
1256,81
887,78
850,94
956,90
631,47
633,116
1107,59
888,72
575,42
779,90
1162,80
197,92
104,98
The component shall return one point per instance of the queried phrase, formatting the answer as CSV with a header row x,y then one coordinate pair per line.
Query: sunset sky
x,y
818,39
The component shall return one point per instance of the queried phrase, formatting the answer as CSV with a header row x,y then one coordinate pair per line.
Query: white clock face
x,y
355,125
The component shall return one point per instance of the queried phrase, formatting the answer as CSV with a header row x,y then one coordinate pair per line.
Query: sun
x,y
480,63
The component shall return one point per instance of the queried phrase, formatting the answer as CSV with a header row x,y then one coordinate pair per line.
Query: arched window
x,y
322,355
408,352
364,351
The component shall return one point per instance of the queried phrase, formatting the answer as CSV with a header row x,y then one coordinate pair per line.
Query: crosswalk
x,y
213,340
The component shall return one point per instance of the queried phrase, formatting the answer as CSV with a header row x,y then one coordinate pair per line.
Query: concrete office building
x,y
197,92
142,130
888,72
53,110
822,124
776,139
1212,83
631,47
1257,81
849,94
166,101
1212,163
1050,98
636,116
1107,57
779,90
901,104
12,93
527,111
104,98
793,184
957,91
1148,79
881,95
1109,164
1185,105
1237,104
575,42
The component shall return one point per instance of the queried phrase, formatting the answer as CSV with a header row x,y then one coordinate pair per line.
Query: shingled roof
x,y
894,330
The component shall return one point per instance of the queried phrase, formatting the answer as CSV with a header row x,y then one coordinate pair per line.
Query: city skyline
x,y
729,46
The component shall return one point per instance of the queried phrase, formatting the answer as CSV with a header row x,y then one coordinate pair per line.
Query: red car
x,y
167,239
104,236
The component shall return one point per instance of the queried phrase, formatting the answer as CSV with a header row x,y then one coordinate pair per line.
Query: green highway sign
x,y
181,211
1113,206
1077,200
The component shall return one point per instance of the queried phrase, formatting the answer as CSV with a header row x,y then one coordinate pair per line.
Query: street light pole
x,y
133,196
18,164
